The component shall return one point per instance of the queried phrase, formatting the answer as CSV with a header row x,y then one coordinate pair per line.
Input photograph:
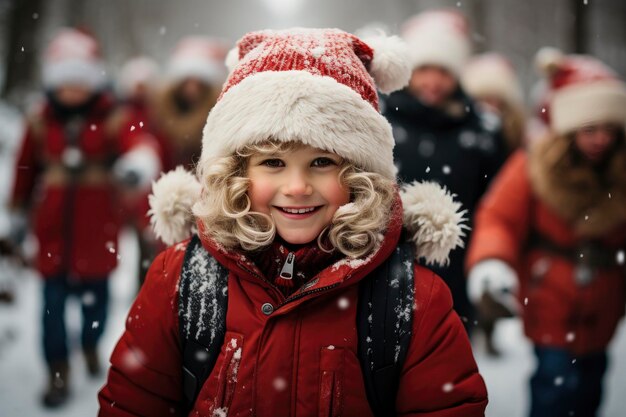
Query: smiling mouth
x,y
298,210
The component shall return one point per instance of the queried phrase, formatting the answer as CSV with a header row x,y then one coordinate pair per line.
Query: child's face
x,y
300,189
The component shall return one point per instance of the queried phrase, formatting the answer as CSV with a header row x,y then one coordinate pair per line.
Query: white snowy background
x,y
23,377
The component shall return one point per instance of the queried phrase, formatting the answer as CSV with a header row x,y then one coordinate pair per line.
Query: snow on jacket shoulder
x,y
300,360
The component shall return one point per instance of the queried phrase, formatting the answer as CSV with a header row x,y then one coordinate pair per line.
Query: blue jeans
x,y
564,385
94,297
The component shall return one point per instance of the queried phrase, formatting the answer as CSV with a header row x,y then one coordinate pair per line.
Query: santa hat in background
x,y
310,85
135,72
73,57
438,37
582,91
493,75
199,57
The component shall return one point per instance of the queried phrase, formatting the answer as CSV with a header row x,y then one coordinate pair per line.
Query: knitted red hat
x,y
200,57
438,37
583,91
73,57
313,86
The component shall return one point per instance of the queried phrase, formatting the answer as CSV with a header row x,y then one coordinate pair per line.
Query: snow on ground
x,y
23,377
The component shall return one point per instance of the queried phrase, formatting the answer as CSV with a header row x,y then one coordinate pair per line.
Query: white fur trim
x,y
548,59
481,79
171,200
390,67
299,106
74,71
581,104
209,71
232,59
435,222
439,47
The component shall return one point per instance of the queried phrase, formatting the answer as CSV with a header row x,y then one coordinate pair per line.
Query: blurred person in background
x,y
490,79
438,132
492,82
136,83
551,233
11,258
65,185
193,80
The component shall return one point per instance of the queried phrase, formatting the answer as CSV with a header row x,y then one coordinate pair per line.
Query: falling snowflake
x,y
88,298
343,303
280,384
447,387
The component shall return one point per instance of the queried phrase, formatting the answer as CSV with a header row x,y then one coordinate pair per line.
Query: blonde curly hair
x,y
224,207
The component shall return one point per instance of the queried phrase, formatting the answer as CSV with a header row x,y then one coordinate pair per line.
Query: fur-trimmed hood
x,y
434,222
183,130
592,200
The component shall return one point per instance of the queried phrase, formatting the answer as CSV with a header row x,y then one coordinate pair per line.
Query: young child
x,y
553,230
298,201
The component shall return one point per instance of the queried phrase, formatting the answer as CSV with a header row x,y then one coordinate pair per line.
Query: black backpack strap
x,y
202,305
384,319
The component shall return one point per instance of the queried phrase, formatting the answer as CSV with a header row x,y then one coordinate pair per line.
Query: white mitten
x,y
138,167
498,279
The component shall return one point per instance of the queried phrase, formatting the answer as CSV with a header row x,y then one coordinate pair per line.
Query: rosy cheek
x,y
261,194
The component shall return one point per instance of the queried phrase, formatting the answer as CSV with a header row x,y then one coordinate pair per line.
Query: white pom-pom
x,y
232,59
390,67
171,200
548,59
434,221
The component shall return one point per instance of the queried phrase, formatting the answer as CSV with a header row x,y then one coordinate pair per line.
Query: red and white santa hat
x,y
137,71
309,85
199,57
73,57
438,37
583,91
491,74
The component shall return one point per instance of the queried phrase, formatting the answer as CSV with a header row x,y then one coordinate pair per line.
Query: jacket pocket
x,y
233,345
331,382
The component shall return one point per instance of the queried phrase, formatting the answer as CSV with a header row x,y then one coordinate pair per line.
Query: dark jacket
x,y
455,147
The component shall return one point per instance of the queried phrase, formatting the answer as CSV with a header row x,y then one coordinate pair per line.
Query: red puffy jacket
x,y
76,218
557,311
299,360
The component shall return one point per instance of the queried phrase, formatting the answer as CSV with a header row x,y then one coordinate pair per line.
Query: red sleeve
x,y
132,133
145,377
440,377
27,170
501,222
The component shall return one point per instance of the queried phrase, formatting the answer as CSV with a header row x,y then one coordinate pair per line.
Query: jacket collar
x,y
457,111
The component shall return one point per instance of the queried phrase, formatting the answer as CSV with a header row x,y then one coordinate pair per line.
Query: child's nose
x,y
298,184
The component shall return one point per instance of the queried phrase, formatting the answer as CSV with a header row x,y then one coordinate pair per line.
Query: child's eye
x,y
273,163
323,162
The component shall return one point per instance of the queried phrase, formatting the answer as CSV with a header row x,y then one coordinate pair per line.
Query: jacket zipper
x,y
276,290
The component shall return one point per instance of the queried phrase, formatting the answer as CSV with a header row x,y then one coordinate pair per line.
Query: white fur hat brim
x,y
299,106
208,71
583,104
439,47
90,74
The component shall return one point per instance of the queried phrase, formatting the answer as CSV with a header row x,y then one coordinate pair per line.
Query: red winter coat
x,y
557,311
75,218
281,364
